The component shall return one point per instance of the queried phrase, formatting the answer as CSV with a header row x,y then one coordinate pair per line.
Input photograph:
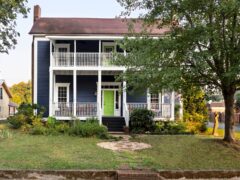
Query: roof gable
x,y
4,85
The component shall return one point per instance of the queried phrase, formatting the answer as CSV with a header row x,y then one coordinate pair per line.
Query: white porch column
x,y
148,99
51,82
125,107
172,105
181,108
99,97
74,93
75,55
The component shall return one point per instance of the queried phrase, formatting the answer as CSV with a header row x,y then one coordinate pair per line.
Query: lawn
x,y
23,151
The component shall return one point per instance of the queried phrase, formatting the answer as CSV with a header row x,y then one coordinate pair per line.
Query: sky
x,y
16,66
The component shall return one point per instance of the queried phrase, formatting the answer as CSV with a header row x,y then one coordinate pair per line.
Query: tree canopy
x,y
9,9
201,48
22,92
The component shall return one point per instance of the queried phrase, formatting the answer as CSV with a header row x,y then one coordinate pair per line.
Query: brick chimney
x,y
36,13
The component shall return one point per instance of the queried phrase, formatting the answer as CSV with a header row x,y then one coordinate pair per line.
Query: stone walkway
x,y
124,145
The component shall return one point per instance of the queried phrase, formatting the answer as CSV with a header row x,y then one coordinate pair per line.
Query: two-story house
x,y
73,71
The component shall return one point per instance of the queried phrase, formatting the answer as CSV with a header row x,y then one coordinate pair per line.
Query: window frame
x,y
57,85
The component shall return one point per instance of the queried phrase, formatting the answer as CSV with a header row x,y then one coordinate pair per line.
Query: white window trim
x,y
104,44
56,91
57,46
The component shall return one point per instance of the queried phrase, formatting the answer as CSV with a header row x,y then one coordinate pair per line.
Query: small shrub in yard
x,y
62,127
25,115
88,129
92,120
141,121
51,122
170,127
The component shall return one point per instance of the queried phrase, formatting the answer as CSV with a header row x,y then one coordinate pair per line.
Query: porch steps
x,y
114,124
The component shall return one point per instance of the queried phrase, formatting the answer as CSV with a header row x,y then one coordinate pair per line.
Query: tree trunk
x,y
229,114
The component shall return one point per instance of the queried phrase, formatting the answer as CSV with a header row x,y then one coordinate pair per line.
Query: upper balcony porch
x,y
85,54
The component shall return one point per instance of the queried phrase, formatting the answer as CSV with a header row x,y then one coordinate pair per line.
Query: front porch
x,y
85,94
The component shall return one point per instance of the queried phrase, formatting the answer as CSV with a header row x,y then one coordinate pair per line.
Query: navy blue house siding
x,y
137,97
43,62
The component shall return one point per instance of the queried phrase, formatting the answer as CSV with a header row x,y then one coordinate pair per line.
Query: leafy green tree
x,y
9,9
22,92
202,47
194,104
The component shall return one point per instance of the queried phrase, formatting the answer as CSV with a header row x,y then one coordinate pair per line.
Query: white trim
x,y
172,106
56,91
74,93
99,97
95,37
117,112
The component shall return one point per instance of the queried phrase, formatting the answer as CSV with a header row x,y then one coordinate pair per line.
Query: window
x,y
1,93
117,100
154,101
63,56
62,94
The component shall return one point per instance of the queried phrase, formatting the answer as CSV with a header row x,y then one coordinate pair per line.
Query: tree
x,y
9,9
22,92
201,48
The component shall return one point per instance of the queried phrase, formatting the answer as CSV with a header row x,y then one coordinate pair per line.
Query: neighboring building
x,y
216,107
7,108
73,71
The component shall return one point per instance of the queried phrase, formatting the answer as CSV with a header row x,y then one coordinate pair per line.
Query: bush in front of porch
x,y
27,121
142,121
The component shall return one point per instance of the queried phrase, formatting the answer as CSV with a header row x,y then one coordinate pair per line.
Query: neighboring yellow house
x,y
7,108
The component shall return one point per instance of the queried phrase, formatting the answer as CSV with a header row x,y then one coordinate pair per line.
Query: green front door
x,y
108,103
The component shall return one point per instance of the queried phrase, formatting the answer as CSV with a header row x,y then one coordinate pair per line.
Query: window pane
x,y
62,94
1,93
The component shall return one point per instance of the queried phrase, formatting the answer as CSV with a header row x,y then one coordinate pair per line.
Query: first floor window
x,y
154,101
62,94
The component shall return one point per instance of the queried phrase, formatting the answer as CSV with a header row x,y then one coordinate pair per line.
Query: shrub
x,y
88,129
25,115
16,121
92,120
38,130
141,120
170,127
62,128
51,122
196,127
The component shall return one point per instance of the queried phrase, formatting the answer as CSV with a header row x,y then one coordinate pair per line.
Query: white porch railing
x,y
83,59
63,109
160,110
82,109
132,106
86,109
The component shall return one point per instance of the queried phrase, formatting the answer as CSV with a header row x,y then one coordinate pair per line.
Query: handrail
x,y
84,59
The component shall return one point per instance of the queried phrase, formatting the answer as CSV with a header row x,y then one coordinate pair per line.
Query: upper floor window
x,y
109,47
1,93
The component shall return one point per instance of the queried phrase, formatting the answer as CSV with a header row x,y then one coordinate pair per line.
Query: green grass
x,y
23,151
221,133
